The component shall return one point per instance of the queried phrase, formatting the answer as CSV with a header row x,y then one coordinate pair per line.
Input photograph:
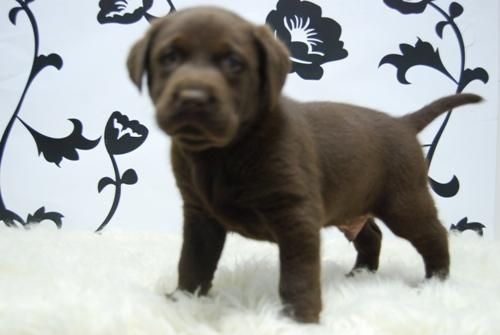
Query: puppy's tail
x,y
420,119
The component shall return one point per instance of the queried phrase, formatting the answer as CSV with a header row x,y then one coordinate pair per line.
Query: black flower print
x,y
126,11
312,39
121,136
406,7
123,11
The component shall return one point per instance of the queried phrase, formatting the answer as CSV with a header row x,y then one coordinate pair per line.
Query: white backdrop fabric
x,y
68,109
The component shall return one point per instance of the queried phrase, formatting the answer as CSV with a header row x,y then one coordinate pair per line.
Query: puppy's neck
x,y
254,136
265,123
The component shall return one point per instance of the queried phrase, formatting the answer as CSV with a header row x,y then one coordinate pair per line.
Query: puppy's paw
x,y
353,273
178,294
440,274
359,271
172,296
300,316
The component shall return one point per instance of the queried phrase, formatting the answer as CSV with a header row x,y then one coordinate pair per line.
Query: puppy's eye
x,y
170,58
232,63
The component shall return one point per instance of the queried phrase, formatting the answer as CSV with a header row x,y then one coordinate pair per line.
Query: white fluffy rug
x,y
60,282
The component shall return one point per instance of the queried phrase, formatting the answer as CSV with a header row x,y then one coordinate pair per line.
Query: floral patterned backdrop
x,y
79,147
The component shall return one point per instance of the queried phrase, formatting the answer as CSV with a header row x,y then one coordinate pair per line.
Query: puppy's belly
x,y
246,222
253,232
352,227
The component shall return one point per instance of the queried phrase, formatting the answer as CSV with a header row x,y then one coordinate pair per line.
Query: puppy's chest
x,y
232,196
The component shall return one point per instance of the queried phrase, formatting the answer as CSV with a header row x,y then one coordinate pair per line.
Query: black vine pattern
x,y
54,150
127,11
121,136
423,53
312,39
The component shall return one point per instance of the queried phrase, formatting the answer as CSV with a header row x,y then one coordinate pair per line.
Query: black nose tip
x,y
193,98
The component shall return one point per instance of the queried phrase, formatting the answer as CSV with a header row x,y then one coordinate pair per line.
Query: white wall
x,y
93,83
497,197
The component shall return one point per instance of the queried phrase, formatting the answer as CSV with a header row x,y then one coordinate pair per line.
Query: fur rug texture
x,y
81,283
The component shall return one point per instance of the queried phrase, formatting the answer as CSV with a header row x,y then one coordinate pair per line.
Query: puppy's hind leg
x,y
367,244
413,216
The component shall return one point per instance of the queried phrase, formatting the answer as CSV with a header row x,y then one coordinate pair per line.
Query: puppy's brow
x,y
179,42
223,48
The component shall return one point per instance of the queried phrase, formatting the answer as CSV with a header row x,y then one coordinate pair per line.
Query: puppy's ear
x,y
137,61
274,63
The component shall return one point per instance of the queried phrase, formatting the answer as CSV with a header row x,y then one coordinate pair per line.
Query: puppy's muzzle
x,y
195,114
194,100
191,107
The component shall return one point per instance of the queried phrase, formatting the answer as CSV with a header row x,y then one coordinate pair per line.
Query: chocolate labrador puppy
x,y
249,160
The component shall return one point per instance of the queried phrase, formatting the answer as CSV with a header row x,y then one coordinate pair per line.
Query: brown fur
x,y
250,161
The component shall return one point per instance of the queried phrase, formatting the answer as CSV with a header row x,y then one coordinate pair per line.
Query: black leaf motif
x,y
405,7
312,39
41,215
9,218
448,190
13,14
471,75
105,181
440,28
464,225
55,149
456,10
130,177
122,135
43,61
422,53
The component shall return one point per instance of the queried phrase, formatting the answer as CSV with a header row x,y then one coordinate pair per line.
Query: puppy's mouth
x,y
197,127
194,144
194,138
188,131
190,135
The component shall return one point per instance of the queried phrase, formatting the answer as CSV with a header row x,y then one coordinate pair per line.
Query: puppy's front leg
x,y
300,287
202,247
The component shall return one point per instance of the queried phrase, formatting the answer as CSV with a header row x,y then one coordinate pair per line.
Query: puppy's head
x,y
210,73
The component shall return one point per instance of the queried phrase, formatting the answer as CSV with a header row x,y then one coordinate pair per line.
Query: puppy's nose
x,y
193,97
